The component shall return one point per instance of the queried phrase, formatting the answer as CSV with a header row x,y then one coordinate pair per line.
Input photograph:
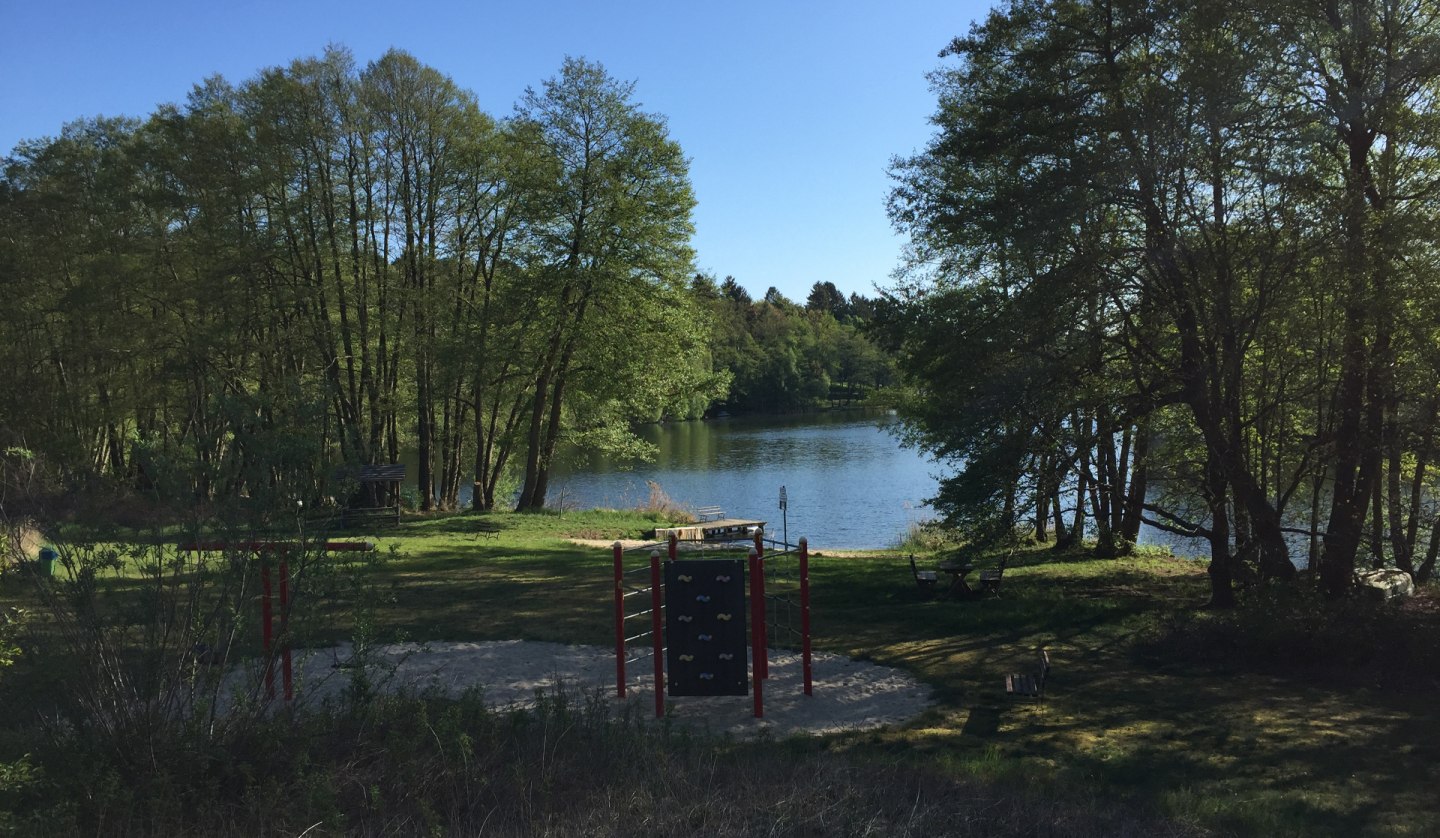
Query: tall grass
x,y
413,764
661,506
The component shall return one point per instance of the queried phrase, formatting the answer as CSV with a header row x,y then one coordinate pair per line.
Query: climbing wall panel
x,y
705,627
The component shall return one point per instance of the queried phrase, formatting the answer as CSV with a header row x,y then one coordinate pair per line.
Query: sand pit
x,y
848,694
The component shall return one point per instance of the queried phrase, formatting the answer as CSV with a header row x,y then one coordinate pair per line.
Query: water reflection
x,y
848,480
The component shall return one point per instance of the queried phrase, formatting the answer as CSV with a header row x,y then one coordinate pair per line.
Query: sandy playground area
x,y
848,694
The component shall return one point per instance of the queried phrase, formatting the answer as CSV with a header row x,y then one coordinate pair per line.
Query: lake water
x,y
848,481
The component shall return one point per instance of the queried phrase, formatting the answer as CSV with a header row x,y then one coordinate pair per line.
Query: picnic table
x,y
958,571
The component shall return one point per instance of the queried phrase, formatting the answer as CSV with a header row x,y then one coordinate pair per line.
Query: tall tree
x,y
609,239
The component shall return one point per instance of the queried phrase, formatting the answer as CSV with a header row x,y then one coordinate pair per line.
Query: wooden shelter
x,y
377,500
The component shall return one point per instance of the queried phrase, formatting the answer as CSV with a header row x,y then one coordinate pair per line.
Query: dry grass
x,y
660,505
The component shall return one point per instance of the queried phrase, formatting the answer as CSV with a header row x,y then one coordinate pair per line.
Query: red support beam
x,y
287,676
266,628
619,622
760,627
656,633
805,612
756,619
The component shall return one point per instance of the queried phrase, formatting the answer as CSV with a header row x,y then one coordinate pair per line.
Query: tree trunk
x,y
1082,491
1405,545
1221,569
1139,483
533,442
1427,567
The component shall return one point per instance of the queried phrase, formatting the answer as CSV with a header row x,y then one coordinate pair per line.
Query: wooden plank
x,y
1021,684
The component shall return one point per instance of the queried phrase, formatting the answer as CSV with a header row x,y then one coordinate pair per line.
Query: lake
x,y
848,481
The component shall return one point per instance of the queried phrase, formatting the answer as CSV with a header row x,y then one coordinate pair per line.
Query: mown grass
x,y
1281,719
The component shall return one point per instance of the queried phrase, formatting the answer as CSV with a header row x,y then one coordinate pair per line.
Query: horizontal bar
x,y
658,545
638,636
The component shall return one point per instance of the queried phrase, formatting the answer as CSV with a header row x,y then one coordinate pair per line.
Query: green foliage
x,y
331,263
1165,239
784,358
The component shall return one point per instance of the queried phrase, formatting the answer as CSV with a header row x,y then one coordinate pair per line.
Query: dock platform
x,y
726,529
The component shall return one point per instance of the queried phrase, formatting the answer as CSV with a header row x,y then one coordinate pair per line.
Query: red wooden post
x,y
761,628
266,629
619,622
756,650
674,546
656,634
287,679
805,612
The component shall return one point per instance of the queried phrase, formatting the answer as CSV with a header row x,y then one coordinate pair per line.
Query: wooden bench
x,y
1030,684
373,516
709,513
924,579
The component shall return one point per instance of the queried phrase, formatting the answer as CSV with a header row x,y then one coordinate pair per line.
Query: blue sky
x,y
789,111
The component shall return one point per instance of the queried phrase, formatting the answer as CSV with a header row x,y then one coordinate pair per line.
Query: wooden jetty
x,y
725,529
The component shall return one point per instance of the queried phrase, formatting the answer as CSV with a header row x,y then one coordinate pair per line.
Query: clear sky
x,y
789,111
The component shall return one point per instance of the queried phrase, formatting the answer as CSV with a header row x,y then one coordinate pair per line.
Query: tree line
x,y
340,264
328,263
1175,263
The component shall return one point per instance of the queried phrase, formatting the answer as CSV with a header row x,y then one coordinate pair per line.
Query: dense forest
x,y
332,264
785,357
1176,263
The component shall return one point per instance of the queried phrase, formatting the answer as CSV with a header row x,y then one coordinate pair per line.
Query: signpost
x,y
784,518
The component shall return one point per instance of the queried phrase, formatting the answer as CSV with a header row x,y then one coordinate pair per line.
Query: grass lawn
x,y
1226,739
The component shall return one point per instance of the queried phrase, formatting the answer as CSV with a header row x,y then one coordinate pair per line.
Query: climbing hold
x,y
687,657
722,578
726,656
686,618
704,637
684,577
725,617
702,598
707,676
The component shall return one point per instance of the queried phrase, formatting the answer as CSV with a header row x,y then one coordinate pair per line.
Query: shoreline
x,y
692,546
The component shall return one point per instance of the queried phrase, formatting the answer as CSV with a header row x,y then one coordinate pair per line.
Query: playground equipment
x,y
264,549
700,606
